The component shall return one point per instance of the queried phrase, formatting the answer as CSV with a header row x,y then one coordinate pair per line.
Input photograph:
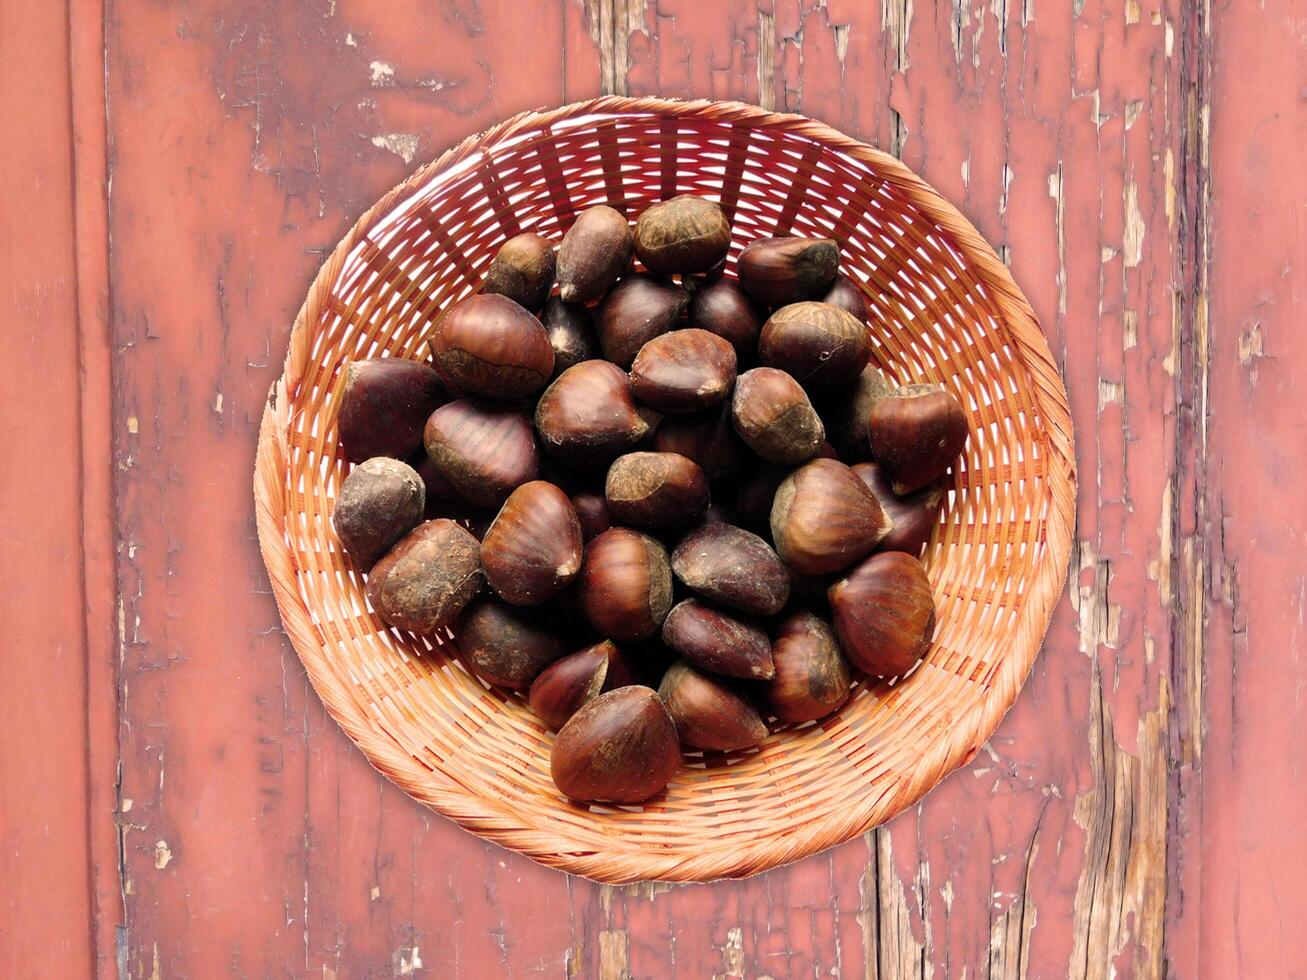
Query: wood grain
x,y
177,802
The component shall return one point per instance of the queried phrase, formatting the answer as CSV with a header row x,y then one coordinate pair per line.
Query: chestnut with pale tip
x,y
424,581
533,548
570,682
637,310
812,678
707,438
820,345
625,584
488,345
571,331
772,414
734,567
523,270
914,516
593,253
776,271
686,234
656,490
823,518
707,712
683,371
723,308
384,403
505,645
588,416
718,641
619,747
484,449
916,433
380,501
884,613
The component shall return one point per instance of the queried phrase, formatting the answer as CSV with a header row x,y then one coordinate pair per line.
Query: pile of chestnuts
x,y
671,506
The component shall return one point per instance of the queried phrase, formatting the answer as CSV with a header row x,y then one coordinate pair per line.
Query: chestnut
x,y
723,308
625,584
707,713
707,438
384,403
776,271
571,331
484,449
488,345
638,309
848,297
824,518
505,645
533,549
812,678
619,747
683,371
380,501
594,252
774,417
656,490
822,346
568,683
523,270
424,581
686,234
593,513
916,432
734,567
845,413
913,516
587,416
884,613
718,641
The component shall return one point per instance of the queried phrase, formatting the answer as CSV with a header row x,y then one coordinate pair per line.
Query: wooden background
x,y
173,799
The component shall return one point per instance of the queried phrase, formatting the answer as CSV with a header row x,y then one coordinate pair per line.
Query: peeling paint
x,y
162,854
382,74
1132,242
403,145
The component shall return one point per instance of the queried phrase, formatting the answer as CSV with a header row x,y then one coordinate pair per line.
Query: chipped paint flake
x,y
133,424
732,954
217,404
614,955
403,145
1055,192
351,41
1132,241
408,960
382,74
162,854
1132,110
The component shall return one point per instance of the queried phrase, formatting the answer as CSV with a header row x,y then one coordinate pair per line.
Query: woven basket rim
x,y
483,816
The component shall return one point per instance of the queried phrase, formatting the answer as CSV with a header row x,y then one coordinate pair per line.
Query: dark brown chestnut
x,y
505,645
916,432
587,417
626,584
523,270
566,684
656,490
423,582
571,331
683,371
848,297
488,345
620,747
845,413
824,518
884,613
594,252
774,417
776,271
686,234
380,501
707,438
637,310
384,403
822,346
723,308
484,449
593,513
734,567
812,679
533,549
707,713
913,516
718,641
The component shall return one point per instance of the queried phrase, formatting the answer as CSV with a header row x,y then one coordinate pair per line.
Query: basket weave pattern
x,y
951,314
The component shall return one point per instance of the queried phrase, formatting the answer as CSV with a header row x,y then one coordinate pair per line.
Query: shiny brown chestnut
x,y
593,513
523,270
848,297
593,253
707,712
634,312
566,684
625,584
913,516
656,490
822,346
707,438
734,567
384,403
533,548
505,645
587,417
571,331
484,449
380,501
845,413
723,308
683,371
884,613
776,271
823,518
812,678
916,432
488,345
424,581
620,747
772,414
685,234
718,641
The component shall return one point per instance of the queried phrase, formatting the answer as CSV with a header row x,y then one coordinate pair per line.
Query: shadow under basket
x,y
945,310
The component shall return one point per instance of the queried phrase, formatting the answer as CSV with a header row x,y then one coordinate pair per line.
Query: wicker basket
x,y
997,559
